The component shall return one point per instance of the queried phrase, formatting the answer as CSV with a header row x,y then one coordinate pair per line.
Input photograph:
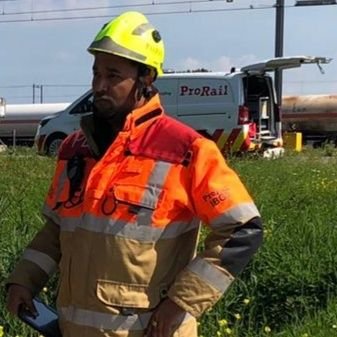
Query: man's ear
x,y
146,75
148,78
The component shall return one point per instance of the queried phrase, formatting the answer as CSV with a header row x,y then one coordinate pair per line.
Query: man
x,y
124,207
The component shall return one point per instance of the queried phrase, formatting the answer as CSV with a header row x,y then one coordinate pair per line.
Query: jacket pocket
x,y
140,196
137,203
119,294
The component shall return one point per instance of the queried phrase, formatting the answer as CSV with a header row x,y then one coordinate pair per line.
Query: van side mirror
x,y
82,108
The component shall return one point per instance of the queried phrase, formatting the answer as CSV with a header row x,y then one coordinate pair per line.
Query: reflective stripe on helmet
x,y
106,45
144,27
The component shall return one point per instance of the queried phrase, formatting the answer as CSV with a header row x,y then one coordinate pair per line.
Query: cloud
x,y
189,63
222,63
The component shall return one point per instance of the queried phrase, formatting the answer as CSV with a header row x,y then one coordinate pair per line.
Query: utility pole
x,y
279,31
34,93
41,93
279,46
37,86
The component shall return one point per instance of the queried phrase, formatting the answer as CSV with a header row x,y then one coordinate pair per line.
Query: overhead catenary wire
x,y
187,10
84,17
189,3
96,8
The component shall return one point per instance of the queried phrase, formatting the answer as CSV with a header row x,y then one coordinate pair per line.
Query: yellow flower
x,y
267,232
267,329
228,331
45,289
218,333
305,335
1,330
237,316
334,326
223,322
246,301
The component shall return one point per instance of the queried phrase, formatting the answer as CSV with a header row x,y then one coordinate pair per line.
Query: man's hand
x,y
19,296
165,319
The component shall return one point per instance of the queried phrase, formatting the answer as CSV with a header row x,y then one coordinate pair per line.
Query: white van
x,y
238,110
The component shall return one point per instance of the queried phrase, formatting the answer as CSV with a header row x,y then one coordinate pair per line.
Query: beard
x,y
107,113
107,125
104,108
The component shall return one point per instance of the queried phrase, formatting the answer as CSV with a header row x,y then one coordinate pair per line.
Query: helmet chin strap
x,y
146,91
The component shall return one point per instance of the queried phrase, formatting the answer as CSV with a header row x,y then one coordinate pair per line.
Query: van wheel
x,y
54,143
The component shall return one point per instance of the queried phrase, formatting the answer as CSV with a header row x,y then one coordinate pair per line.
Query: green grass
x,y
291,283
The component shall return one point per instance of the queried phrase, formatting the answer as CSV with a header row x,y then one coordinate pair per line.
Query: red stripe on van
x,y
246,144
216,135
231,139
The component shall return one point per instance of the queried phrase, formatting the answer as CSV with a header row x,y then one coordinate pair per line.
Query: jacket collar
x,y
137,121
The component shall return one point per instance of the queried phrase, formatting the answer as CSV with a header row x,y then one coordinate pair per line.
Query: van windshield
x,y
83,105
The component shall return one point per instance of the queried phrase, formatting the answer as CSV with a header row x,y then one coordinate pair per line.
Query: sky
x,y
46,60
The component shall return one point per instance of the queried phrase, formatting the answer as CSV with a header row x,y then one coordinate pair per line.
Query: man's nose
x,y
100,85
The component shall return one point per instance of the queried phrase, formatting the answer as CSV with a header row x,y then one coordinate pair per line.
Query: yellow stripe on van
x,y
222,140
239,140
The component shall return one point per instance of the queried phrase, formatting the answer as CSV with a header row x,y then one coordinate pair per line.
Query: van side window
x,y
85,106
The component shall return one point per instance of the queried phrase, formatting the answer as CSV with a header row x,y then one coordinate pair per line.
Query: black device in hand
x,y
46,320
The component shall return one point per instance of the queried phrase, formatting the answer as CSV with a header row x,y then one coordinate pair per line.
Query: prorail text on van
x,y
221,90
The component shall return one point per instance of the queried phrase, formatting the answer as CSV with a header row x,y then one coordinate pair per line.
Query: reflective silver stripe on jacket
x,y
107,321
60,184
156,182
44,261
238,214
210,274
130,230
49,213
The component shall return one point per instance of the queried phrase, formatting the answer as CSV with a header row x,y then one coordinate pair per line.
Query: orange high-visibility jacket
x,y
123,228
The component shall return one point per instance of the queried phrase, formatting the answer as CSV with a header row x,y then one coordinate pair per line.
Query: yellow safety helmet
x,y
131,36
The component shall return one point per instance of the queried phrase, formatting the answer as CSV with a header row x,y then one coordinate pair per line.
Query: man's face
x,y
114,85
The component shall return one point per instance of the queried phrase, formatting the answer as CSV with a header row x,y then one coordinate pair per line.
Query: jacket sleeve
x,y
39,260
41,257
223,204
